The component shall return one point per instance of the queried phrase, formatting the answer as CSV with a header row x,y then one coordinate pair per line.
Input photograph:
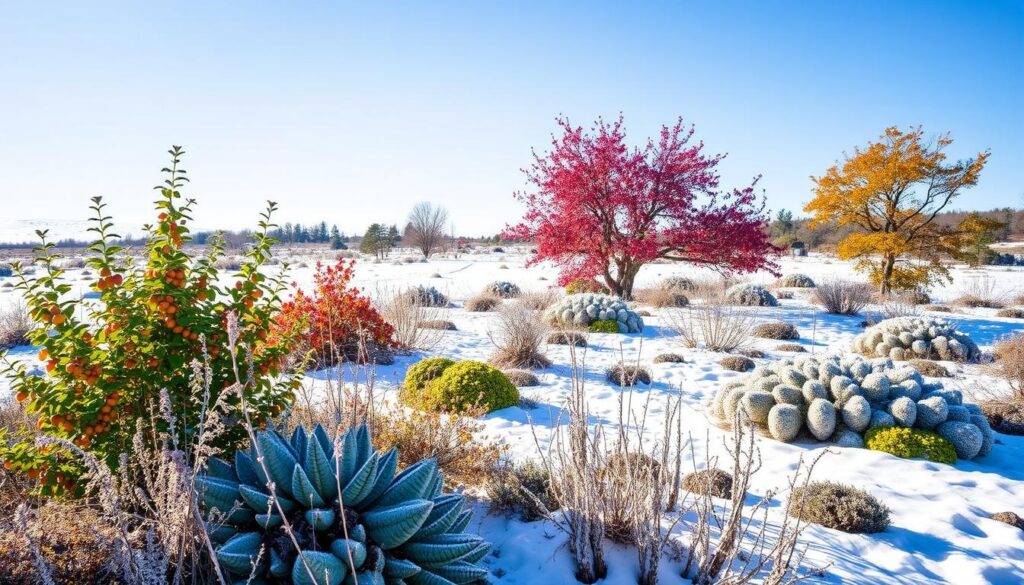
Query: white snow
x,y
940,533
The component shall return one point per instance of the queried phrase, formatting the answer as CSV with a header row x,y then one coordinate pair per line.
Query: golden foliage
x,y
891,190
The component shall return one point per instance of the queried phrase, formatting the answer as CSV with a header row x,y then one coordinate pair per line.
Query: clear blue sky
x,y
353,111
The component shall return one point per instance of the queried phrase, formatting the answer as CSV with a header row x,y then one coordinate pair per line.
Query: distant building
x,y
797,249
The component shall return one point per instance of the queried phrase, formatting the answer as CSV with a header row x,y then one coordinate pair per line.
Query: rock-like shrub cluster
x,y
520,378
441,384
1011,313
503,289
776,330
567,338
795,280
839,399
750,295
679,283
626,375
737,363
353,515
902,338
840,507
792,347
713,482
580,310
427,296
669,358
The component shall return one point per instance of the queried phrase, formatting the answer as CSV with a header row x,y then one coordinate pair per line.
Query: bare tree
x,y
427,227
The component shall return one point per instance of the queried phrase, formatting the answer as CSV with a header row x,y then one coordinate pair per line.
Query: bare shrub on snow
x,y
843,297
518,337
712,325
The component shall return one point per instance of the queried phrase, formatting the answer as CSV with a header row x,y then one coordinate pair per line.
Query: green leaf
x,y
278,459
445,548
320,518
344,547
395,568
461,572
240,553
318,468
445,512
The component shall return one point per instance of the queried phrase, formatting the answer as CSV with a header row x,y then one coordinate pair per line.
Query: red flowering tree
x,y
336,321
600,209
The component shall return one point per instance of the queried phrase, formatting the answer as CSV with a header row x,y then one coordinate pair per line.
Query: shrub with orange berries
x,y
106,362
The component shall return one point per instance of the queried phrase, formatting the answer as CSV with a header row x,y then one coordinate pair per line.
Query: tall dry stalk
x,y
518,335
401,310
713,325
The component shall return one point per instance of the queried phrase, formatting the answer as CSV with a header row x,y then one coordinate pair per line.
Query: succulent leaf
x,y
343,547
362,483
217,493
426,577
386,467
260,501
320,518
245,470
327,569
239,553
278,566
445,548
268,521
324,439
298,443
393,525
303,490
411,484
460,572
278,459
461,523
445,512
220,469
318,468
395,568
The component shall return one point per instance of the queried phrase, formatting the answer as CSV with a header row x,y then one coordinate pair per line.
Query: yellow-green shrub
x,y
585,285
604,326
419,376
459,387
910,443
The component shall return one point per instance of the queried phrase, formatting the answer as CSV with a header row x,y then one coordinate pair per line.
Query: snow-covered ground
x,y
940,533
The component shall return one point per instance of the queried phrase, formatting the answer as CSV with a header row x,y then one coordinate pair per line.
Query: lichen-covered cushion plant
x,y
427,296
795,280
441,384
503,289
838,399
750,295
377,528
903,338
581,310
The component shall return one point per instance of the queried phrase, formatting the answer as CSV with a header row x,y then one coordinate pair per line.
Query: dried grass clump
x,y
15,325
400,310
518,337
1011,313
776,330
840,507
1009,363
843,297
70,538
791,347
451,439
564,337
228,263
737,363
1005,415
1010,518
661,297
752,353
669,358
939,308
539,301
710,482
716,326
628,375
522,488
983,292
482,303
929,368
520,378
437,324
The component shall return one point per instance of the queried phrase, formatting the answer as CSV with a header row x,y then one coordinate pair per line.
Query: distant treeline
x,y
786,229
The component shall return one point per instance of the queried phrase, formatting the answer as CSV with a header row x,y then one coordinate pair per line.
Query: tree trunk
x,y
888,263
624,284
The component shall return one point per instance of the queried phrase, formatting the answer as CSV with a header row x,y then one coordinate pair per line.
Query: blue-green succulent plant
x,y
356,520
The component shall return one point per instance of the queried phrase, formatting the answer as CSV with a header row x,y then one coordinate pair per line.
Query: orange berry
x,y
59,319
21,396
178,329
43,354
105,272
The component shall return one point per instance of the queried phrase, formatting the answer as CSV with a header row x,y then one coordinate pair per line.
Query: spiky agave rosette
x,y
384,529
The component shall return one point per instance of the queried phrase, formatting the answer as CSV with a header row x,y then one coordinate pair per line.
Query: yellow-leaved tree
x,y
891,192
